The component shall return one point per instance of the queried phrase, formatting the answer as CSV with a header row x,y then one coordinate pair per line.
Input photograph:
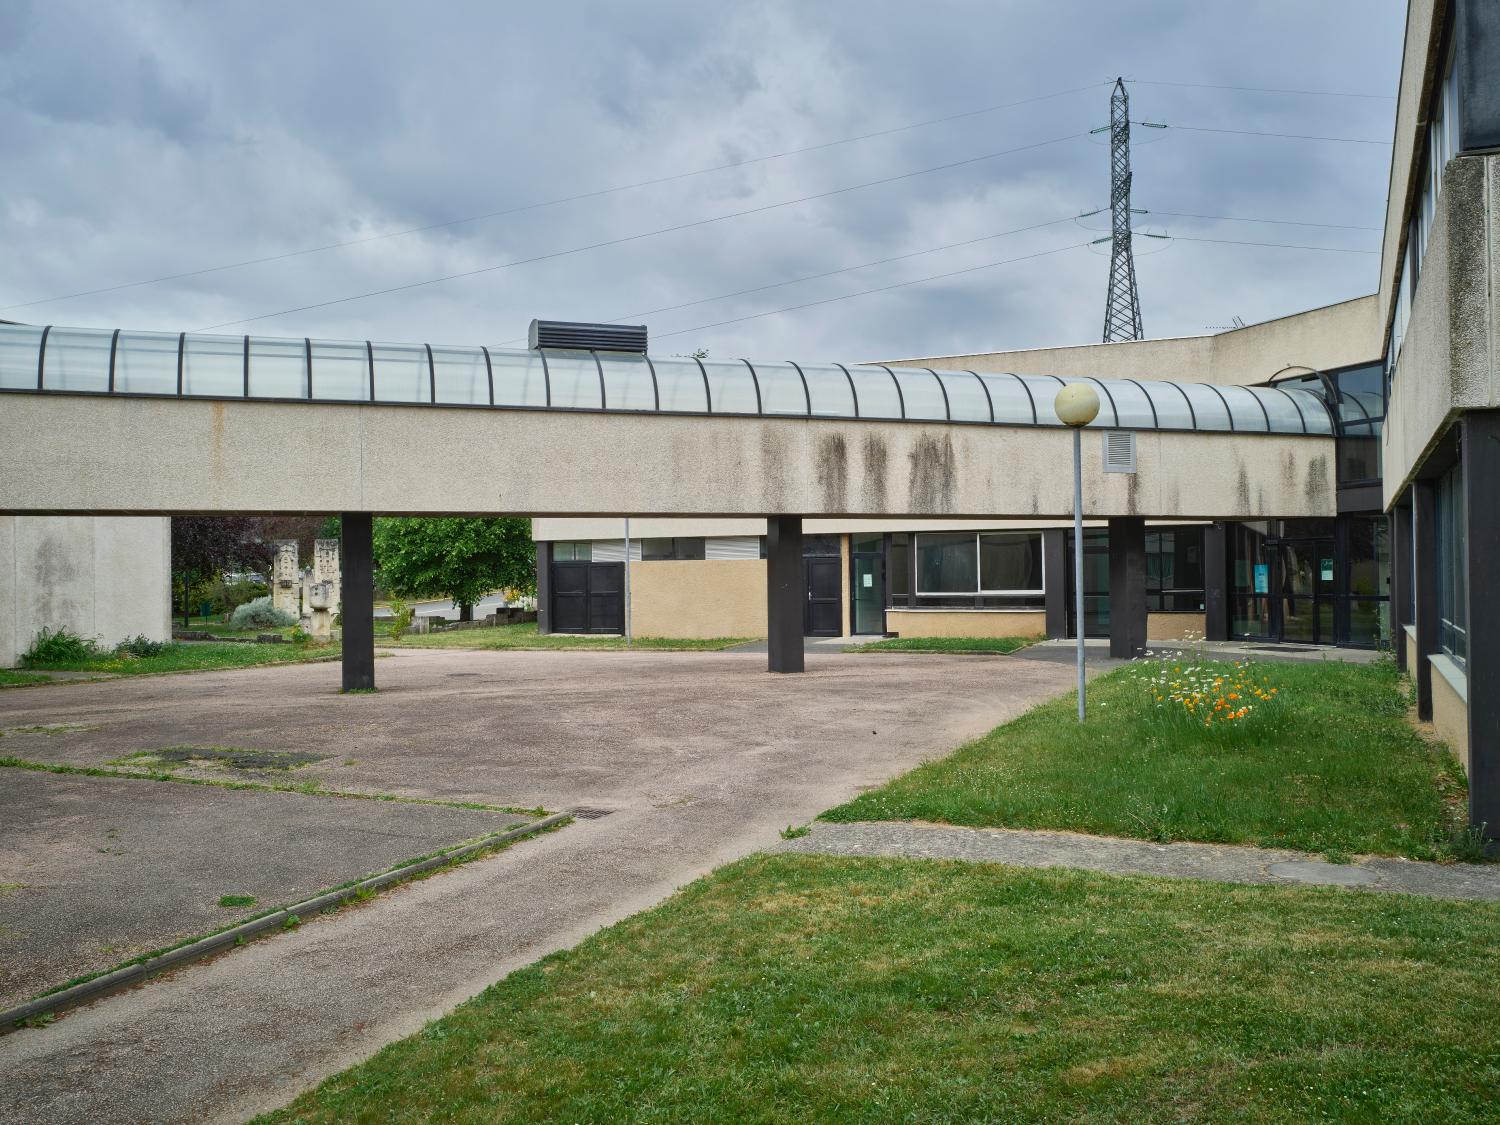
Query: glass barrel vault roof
x,y
193,365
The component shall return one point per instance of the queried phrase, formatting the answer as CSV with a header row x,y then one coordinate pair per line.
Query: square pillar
x,y
1425,587
1401,579
544,588
1055,564
1216,582
785,591
357,566
1127,587
1480,556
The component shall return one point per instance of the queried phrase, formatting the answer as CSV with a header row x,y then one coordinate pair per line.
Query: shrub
x,y
226,597
61,647
261,614
140,645
401,617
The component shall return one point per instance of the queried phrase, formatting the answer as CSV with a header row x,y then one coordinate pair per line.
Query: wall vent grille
x,y
1119,451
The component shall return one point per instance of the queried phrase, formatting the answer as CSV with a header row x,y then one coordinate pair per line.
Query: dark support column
x,y
544,587
1216,582
1425,586
784,593
1127,586
1481,557
1055,565
357,567
1400,579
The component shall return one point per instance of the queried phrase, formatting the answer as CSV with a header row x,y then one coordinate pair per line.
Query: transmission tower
x,y
1122,308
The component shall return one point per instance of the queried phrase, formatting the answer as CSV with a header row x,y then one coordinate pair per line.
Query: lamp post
x,y
1077,405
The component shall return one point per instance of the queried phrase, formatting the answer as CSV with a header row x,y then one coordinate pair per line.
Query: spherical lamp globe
x,y
1077,405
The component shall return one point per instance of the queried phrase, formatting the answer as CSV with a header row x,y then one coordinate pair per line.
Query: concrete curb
x,y
100,986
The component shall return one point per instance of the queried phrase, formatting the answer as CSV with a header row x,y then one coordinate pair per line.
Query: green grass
x,y
189,657
945,644
809,988
525,636
236,900
1340,771
10,677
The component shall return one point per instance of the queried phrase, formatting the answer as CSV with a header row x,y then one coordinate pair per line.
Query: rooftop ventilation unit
x,y
595,337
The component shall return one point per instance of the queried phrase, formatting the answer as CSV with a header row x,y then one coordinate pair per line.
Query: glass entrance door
x,y
1306,573
867,583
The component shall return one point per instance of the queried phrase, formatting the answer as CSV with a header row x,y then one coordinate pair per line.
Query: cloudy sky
x,y
145,139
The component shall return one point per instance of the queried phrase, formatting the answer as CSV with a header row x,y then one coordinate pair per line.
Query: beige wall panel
x,y
698,598
1175,626
77,454
1450,717
132,578
10,646
1411,653
846,626
965,623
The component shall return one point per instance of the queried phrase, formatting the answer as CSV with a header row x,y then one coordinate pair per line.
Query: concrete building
x,y
1318,478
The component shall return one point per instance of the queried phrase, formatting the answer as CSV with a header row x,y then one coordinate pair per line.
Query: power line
x,y
1287,136
1242,219
747,162
1263,90
645,234
1277,245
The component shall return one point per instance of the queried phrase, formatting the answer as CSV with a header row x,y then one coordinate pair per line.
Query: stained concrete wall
x,y
966,623
1419,70
1333,336
698,598
80,454
98,577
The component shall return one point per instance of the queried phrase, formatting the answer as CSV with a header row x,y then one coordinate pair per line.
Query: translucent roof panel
x,y
1210,411
876,388
967,400
145,363
575,379
1360,406
1010,399
921,394
213,365
401,373
1134,409
20,345
731,386
77,359
831,390
1282,411
1314,409
628,381
340,371
1174,410
1246,411
1044,393
681,384
781,388
520,378
461,375
278,368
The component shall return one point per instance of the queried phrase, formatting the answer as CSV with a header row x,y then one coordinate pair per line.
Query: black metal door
x,y
824,615
588,597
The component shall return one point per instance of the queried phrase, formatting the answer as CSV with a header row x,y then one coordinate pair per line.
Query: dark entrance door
x,y
867,584
588,597
1095,585
823,615
1306,574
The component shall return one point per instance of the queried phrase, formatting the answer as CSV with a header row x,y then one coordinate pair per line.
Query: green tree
x,y
457,558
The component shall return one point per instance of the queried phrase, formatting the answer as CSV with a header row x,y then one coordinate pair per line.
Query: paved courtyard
x,y
698,758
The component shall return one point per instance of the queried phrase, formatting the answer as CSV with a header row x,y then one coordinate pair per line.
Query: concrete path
x,y
703,758
1223,863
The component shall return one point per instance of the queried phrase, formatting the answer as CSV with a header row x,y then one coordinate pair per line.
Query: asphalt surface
x,y
700,759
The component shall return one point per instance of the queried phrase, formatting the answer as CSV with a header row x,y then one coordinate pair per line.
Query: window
x,y
820,546
655,550
572,552
1174,570
898,569
1453,594
997,563
1361,414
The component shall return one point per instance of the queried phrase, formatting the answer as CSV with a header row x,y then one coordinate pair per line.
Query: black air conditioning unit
x,y
597,337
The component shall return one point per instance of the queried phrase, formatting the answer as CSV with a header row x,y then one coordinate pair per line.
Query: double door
x,y
1303,609
588,597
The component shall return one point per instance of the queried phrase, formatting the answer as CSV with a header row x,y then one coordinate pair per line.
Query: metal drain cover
x,y
590,814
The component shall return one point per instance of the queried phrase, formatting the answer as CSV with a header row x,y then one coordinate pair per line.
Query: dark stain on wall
x,y
1317,482
876,464
772,470
933,473
1242,489
832,469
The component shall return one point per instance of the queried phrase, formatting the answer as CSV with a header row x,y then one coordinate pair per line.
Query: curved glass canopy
x,y
101,361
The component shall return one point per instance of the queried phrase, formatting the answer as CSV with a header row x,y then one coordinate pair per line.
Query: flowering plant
x,y
1187,690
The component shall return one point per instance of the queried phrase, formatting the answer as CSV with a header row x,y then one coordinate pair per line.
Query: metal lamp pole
x,y
1077,405
627,581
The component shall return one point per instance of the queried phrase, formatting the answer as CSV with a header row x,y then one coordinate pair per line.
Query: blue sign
x,y
1262,578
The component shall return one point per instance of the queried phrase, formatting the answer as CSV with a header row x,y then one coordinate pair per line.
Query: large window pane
x,y
1010,562
213,365
78,360
340,371
278,368
947,563
520,378
401,373
145,362
461,375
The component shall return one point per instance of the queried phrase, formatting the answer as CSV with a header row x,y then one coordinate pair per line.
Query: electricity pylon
x,y
1122,308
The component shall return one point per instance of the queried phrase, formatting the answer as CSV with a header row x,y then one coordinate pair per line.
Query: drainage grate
x,y
590,814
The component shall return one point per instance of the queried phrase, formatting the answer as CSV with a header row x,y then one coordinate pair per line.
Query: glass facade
x,y
681,547
1452,570
996,564
1174,571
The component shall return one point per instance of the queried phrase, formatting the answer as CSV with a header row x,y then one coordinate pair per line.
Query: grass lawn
x,y
945,644
1338,771
525,636
180,657
13,678
810,988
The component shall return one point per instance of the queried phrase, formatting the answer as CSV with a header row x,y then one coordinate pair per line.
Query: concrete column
x,y
1401,578
1481,467
1127,587
785,591
1216,582
357,562
1425,586
544,587
1055,566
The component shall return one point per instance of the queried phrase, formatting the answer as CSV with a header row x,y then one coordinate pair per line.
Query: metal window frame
x,y
979,592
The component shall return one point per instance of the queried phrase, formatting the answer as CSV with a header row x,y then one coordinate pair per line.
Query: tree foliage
x,y
458,558
204,547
